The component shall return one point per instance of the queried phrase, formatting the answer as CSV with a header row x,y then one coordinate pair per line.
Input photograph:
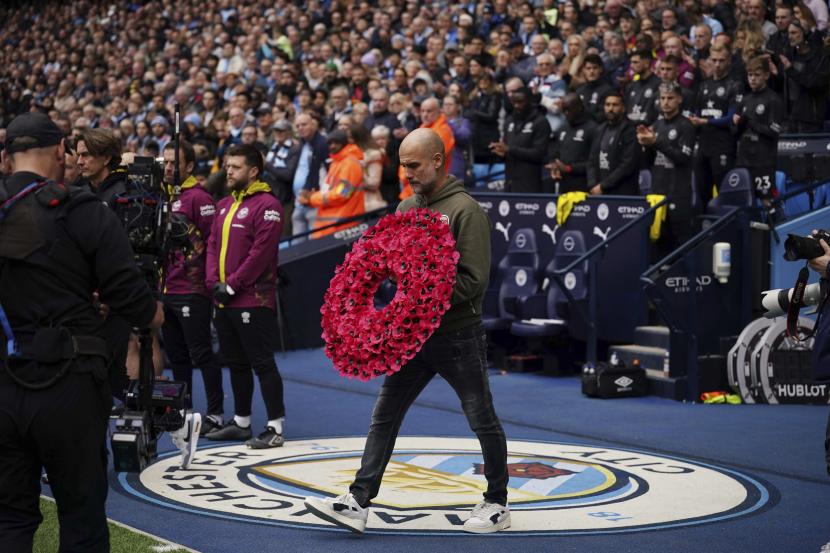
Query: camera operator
x,y
99,159
242,273
187,305
821,343
57,245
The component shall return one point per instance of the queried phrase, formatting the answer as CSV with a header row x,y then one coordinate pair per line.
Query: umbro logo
x,y
623,382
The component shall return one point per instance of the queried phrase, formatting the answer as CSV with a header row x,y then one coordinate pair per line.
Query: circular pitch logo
x,y
431,483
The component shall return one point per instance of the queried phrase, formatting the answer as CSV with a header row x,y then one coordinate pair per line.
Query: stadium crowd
x,y
544,96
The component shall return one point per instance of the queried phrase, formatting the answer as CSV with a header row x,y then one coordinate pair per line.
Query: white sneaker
x,y
344,511
186,438
487,518
825,548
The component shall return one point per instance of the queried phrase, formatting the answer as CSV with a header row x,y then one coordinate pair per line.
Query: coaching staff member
x,y
187,301
242,274
58,245
457,351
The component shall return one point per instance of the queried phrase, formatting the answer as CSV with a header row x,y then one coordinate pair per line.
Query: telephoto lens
x,y
776,303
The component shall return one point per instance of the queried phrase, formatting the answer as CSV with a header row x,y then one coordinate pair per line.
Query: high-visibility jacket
x,y
442,127
344,196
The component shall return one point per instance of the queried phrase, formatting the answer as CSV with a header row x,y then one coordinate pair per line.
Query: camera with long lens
x,y
805,247
777,303
154,231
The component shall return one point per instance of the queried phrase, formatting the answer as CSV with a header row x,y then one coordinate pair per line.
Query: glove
x,y
222,293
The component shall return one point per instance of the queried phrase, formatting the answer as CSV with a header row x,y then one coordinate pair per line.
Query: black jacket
x,y
484,115
593,98
527,137
615,160
806,88
281,164
319,156
717,101
387,119
115,184
641,100
762,118
54,258
573,147
671,159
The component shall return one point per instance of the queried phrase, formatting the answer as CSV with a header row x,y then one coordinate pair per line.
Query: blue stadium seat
x,y
644,181
550,310
735,191
517,275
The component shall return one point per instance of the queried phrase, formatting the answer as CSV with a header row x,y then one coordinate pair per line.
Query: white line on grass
x,y
163,547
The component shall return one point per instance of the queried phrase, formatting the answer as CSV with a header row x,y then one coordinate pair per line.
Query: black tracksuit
x,y
762,117
641,98
615,160
806,89
527,135
717,101
53,258
671,173
280,164
484,115
593,98
573,147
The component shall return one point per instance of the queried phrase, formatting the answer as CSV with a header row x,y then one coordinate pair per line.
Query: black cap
x,y
41,131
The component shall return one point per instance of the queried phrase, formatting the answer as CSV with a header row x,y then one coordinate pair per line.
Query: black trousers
x,y
187,342
460,358
62,428
711,169
246,337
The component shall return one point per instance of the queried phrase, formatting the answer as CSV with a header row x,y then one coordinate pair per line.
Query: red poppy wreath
x,y
417,249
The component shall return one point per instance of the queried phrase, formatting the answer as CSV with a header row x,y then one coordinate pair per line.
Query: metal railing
x,y
589,315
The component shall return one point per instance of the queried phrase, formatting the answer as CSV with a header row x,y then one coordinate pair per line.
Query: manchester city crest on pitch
x,y
431,483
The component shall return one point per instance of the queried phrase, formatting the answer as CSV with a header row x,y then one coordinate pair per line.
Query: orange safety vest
x,y
344,197
442,127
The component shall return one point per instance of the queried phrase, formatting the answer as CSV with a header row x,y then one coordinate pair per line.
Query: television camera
x,y
152,406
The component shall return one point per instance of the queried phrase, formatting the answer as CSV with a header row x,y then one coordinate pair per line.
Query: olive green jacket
x,y
470,227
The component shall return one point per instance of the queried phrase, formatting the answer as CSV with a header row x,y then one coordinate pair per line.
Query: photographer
x,y
187,305
57,245
242,273
821,344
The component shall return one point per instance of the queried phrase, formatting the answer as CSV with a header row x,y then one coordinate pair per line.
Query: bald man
x,y
456,351
431,118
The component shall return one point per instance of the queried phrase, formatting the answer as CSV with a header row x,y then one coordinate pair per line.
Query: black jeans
x,y
246,337
187,342
460,358
62,428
